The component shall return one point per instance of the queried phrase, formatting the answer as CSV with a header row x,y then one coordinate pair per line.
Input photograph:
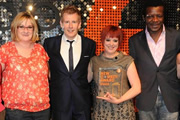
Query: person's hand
x,y
109,98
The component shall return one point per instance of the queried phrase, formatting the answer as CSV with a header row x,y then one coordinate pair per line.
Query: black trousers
x,y
71,114
24,115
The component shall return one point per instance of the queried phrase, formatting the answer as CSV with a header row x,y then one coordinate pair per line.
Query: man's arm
x,y
131,48
93,49
178,65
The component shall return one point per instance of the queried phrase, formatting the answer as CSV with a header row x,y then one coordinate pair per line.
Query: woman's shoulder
x,y
9,43
38,46
38,49
94,58
125,57
7,46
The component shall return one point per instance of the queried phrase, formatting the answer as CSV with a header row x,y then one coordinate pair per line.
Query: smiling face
x,y
71,24
25,31
154,19
111,45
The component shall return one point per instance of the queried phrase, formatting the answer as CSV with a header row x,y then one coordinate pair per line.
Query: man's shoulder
x,y
137,35
53,38
87,39
172,30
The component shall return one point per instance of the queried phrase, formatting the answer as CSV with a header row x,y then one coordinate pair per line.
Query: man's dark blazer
x,y
152,76
64,86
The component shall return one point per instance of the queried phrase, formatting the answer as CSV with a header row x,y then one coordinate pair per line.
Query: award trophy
x,y
110,81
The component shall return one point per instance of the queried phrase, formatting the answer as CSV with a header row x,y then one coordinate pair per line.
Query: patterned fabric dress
x,y
103,110
25,80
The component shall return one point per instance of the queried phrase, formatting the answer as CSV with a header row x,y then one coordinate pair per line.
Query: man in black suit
x,y
154,50
69,88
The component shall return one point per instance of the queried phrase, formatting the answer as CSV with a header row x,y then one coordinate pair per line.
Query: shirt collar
x,y
147,32
65,38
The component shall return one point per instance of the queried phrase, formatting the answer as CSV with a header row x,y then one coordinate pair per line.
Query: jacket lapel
x,y
146,47
168,39
58,47
82,52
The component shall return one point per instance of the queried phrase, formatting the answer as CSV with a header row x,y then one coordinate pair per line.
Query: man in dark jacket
x,y
69,55
154,50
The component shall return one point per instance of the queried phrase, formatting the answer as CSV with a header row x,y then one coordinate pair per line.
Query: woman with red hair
x,y
111,68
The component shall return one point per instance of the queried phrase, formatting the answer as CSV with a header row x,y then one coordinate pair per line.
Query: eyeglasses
x,y
23,28
150,17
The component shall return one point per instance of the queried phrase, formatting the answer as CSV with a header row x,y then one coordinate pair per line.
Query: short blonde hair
x,y
20,17
70,9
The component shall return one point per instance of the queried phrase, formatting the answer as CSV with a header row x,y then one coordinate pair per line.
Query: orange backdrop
x,y
109,16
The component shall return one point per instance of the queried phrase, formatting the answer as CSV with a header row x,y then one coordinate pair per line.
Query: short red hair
x,y
111,31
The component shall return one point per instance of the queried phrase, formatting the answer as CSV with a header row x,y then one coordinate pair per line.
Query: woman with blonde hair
x,y
25,87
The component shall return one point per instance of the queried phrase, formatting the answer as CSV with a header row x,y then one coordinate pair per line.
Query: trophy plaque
x,y
110,81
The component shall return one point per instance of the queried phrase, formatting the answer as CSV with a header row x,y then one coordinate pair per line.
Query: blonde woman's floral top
x,y
25,80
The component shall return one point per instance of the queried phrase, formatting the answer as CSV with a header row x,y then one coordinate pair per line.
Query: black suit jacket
x,y
152,76
66,88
